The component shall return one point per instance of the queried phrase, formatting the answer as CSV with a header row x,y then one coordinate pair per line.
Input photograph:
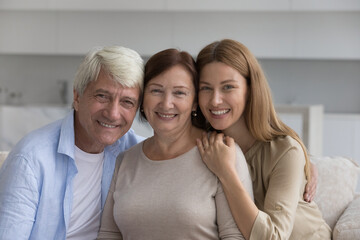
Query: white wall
x,y
332,83
284,34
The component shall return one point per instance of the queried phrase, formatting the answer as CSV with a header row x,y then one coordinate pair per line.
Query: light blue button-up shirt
x,y
36,192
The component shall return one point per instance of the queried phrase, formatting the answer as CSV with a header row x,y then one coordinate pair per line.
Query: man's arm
x,y
19,197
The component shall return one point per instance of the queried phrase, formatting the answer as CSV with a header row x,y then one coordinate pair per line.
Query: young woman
x,y
235,99
161,188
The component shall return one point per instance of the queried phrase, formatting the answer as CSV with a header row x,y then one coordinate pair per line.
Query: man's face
x,y
103,113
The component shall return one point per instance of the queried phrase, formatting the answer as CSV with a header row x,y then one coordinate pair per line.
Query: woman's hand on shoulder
x,y
218,153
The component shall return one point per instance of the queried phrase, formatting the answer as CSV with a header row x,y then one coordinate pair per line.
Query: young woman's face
x,y
169,100
222,95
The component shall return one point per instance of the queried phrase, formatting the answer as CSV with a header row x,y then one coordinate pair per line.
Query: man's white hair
x,y
124,64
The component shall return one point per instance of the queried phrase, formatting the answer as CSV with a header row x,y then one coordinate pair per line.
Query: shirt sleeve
x,y
19,195
226,223
108,227
277,219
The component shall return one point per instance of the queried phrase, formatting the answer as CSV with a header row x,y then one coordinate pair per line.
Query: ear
x,y
76,100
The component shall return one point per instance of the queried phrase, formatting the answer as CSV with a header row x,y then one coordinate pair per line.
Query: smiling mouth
x,y
219,112
107,125
166,115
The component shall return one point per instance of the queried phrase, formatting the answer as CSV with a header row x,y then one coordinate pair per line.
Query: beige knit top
x,y
173,199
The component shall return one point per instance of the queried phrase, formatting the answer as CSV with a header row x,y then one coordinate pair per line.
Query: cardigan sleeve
x,y
276,220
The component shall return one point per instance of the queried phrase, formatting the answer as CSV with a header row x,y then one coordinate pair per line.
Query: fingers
x,y
205,140
310,191
200,146
229,141
214,137
219,137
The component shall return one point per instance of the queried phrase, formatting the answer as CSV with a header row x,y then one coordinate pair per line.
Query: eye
x,y
204,88
156,91
179,93
102,98
228,87
128,103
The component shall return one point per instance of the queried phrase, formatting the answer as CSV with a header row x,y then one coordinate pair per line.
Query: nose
x,y
216,98
113,111
167,101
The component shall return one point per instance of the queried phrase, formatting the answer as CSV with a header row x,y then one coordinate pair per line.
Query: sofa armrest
x,y
348,225
335,191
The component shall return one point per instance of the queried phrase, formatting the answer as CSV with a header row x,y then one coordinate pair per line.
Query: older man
x,y
54,182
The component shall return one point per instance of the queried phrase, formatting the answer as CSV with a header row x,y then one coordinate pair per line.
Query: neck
x,y
242,136
165,146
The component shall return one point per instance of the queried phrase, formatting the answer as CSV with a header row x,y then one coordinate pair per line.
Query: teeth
x,y
107,125
219,112
166,115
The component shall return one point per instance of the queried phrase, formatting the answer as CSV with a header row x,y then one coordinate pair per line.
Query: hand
x,y
310,188
218,153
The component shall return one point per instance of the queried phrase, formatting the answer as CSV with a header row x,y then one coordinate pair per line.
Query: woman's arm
x,y
221,159
279,203
227,226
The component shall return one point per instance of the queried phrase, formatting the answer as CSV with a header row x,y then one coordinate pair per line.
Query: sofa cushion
x,y
336,186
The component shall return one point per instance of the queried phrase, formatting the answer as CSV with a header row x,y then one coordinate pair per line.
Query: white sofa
x,y
335,195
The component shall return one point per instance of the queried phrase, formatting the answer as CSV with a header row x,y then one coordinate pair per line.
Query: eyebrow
x,y
159,85
101,90
222,82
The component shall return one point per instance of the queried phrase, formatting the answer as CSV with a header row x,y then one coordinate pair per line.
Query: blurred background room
x,y
310,51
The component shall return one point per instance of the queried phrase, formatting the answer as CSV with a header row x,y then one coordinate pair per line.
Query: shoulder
x,y
128,140
282,145
130,153
286,151
40,140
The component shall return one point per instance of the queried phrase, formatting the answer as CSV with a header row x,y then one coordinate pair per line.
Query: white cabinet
x,y
342,135
307,122
17,121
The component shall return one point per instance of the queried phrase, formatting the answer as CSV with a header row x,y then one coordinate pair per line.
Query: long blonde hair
x,y
260,115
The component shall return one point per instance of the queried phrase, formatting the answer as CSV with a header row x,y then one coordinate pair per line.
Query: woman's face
x,y
169,100
222,95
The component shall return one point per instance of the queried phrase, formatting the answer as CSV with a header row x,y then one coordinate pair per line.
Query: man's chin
x,y
110,140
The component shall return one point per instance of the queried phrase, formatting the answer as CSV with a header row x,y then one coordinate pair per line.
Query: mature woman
x,y
161,188
235,98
